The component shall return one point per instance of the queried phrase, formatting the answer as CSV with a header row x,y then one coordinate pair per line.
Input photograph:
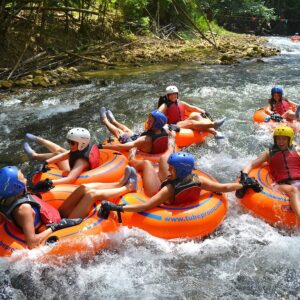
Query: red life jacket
x,y
175,111
284,165
90,153
159,141
183,192
280,107
48,213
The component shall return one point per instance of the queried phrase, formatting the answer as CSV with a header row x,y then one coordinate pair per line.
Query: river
x,y
244,259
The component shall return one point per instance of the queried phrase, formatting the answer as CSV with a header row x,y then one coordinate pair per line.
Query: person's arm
x,y
264,157
24,216
59,157
192,108
164,195
139,143
214,186
163,108
268,109
80,165
292,102
119,147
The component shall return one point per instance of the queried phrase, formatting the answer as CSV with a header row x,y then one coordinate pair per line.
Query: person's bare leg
x,y
163,172
289,115
52,147
151,180
293,192
122,127
83,207
77,194
112,128
200,125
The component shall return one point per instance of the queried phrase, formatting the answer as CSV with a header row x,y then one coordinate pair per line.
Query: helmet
x,y
284,131
172,89
10,185
81,136
160,120
276,89
183,163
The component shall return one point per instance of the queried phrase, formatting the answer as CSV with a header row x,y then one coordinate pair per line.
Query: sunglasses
x,y
72,143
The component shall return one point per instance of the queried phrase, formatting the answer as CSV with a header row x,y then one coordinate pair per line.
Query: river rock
x,y
37,73
23,82
6,84
40,81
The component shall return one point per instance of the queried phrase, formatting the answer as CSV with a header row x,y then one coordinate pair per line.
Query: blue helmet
x,y
10,185
160,120
183,163
277,89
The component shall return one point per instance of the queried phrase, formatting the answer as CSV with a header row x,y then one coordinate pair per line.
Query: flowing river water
x,y
244,259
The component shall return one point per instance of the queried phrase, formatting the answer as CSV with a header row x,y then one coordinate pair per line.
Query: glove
x,y
64,223
174,127
107,207
43,167
43,186
248,182
276,117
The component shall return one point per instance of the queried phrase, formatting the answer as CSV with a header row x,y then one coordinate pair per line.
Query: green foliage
x,y
240,8
133,9
130,17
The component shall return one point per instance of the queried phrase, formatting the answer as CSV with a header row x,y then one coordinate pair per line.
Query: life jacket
x,y
48,213
90,153
183,192
280,107
159,141
284,165
175,110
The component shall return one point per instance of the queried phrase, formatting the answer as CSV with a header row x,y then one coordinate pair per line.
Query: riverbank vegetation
x,y
43,35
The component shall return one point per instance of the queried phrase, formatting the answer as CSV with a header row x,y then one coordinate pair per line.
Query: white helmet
x,y
79,135
172,89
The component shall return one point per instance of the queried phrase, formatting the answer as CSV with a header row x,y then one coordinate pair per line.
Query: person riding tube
x,y
280,108
82,156
153,140
180,186
284,161
26,211
176,111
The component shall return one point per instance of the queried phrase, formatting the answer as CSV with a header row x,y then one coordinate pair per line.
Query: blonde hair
x,y
192,178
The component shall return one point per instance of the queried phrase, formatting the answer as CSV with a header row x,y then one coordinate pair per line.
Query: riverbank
x,y
231,49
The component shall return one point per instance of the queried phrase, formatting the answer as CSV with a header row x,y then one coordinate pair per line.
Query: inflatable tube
x,y
270,205
88,237
260,116
186,137
194,219
295,38
112,166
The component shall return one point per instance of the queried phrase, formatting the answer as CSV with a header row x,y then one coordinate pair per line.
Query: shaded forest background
x,y
30,28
